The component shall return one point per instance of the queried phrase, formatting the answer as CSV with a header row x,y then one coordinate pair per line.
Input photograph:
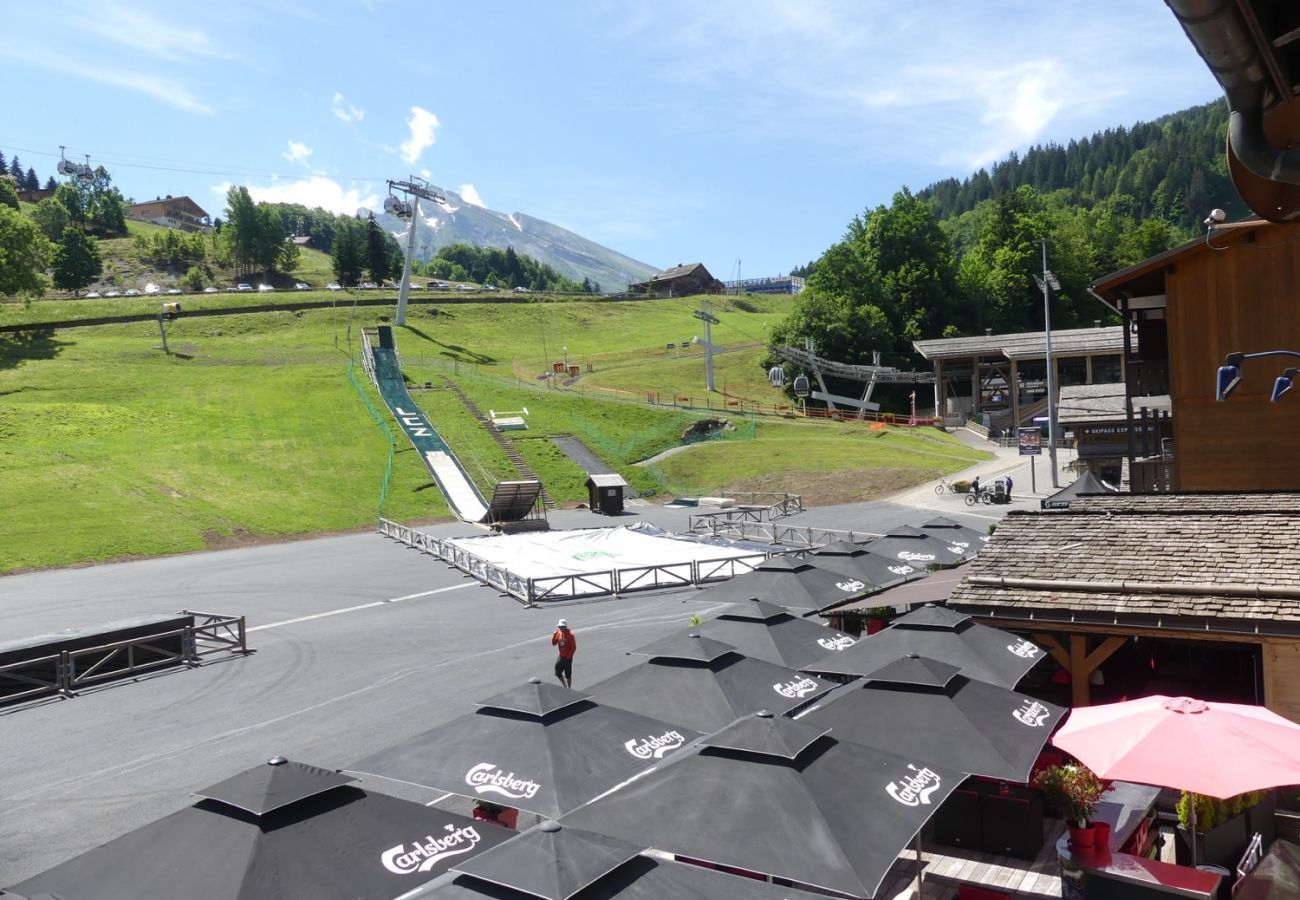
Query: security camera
x,y
1216,217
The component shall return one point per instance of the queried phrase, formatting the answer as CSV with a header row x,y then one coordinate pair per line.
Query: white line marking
x,y
439,799
348,609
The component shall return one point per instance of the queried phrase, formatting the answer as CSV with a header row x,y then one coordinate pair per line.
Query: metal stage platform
x,y
74,658
588,562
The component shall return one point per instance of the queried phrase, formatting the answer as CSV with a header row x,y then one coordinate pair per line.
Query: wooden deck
x,y
946,868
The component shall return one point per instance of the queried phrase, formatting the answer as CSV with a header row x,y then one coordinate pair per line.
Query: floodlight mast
x,y
1047,283
419,189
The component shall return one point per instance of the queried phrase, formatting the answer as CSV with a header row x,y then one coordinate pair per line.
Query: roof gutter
x,y
1252,591
1222,38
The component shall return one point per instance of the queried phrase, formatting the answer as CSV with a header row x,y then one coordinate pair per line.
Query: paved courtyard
x,y
361,643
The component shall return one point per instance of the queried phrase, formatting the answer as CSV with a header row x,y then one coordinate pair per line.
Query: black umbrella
x,y
640,878
957,534
552,862
856,560
706,684
790,582
317,836
1087,483
538,747
779,797
937,632
761,630
925,709
917,547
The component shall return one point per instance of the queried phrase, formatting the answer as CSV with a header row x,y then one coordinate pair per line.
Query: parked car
x,y
265,288
490,287
152,288
92,295
333,286
440,285
133,292
112,293
210,290
521,290
243,288
465,288
172,292
368,286
302,286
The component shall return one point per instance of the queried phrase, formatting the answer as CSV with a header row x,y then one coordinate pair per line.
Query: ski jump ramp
x,y
463,497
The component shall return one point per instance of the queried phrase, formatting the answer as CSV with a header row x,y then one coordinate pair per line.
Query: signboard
x,y
1109,440
1031,442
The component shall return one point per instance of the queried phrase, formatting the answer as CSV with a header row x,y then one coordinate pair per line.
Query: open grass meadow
x,y
252,430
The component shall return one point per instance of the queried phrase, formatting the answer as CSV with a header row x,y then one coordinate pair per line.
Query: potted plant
x,y
1074,790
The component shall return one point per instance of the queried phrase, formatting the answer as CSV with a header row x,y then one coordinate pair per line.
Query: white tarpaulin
x,y
561,564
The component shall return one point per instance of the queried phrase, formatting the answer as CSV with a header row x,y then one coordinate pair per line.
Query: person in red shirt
x,y
567,645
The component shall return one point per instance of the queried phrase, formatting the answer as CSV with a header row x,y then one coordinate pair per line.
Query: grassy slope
x,y
110,448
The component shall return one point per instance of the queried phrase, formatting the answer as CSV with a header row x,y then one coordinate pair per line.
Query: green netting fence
x,y
382,422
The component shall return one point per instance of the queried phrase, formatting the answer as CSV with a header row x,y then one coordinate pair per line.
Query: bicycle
x,y
944,486
983,495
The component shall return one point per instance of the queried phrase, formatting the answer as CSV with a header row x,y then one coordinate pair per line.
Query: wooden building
x,y
1001,379
679,281
171,212
1232,291
1195,594
1093,417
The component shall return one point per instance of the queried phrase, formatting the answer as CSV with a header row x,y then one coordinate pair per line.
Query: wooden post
x,y
1087,364
1013,385
1080,690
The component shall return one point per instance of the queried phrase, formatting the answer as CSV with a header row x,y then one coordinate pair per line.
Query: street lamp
x,y
1047,283
1229,374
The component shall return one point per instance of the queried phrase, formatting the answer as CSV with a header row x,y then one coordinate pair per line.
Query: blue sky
x,y
669,130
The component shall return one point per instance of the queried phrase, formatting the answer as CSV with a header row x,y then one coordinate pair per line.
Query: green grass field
x,y
252,430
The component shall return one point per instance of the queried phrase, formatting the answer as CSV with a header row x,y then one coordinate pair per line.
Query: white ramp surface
x,y
464,500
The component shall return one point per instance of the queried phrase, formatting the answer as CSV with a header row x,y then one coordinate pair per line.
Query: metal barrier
x,y
12,674
805,536
72,669
580,584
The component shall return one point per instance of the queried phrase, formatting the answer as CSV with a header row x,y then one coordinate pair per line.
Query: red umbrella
x,y
1216,749
1183,743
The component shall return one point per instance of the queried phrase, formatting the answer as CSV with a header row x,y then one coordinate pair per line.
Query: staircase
x,y
502,441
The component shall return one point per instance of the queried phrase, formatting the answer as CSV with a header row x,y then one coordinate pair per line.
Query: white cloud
x,y
143,31
297,152
344,111
165,89
469,194
316,190
423,124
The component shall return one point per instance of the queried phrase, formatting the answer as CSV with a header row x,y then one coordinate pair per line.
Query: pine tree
x,y
4,164
31,182
16,170
75,261
51,184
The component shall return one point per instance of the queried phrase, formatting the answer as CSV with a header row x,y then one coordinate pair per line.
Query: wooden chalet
x,y
1185,310
171,212
1001,379
679,281
1152,594
1094,416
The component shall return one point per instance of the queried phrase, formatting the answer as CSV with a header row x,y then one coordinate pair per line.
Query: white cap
x,y
562,624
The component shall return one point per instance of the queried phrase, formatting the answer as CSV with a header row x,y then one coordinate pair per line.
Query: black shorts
x,y
564,667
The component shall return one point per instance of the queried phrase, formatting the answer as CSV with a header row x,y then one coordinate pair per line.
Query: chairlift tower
x,y
705,315
1047,283
404,209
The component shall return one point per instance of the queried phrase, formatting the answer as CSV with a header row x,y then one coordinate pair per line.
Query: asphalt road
x,y
361,643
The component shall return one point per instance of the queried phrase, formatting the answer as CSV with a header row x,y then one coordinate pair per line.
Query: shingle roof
x,y
1163,504
1169,556
606,480
1027,344
1091,403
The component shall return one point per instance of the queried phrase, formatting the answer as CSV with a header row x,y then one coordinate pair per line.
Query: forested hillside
x,y
1172,168
959,256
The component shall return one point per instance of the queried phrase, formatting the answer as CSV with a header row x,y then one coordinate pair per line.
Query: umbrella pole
x,y
920,870
1192,835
